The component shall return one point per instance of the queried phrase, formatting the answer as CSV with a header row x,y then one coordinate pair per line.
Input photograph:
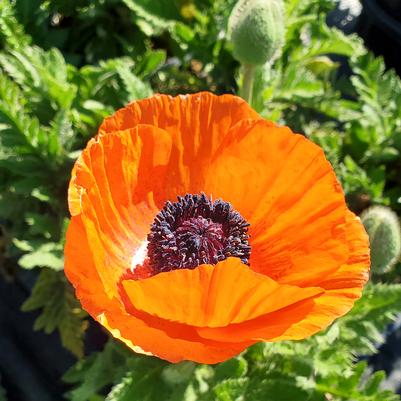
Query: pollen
x,y
196,230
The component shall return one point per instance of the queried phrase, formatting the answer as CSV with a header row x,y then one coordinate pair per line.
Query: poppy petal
x,y
211,295
119,179
297,235
200,119
264,328
355,272
156,336
133,331
309,257
197,123
343,287
306,318
295,322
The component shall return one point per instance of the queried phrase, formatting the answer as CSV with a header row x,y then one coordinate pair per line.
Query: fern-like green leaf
x,y
42,74
361,329
355,387
154,17
60,310
100,370
134,87
12,33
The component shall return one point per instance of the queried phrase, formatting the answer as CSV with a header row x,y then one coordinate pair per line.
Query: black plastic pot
x,y
380,27
32,362
389,357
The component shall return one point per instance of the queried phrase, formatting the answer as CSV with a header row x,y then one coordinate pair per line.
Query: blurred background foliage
x,y
66,64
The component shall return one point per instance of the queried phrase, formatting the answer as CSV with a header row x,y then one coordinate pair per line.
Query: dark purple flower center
x,y
196,230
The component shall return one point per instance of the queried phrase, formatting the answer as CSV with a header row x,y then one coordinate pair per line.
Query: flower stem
x,y
247,82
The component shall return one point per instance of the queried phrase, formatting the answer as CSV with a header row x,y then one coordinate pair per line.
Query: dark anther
x,y
196,230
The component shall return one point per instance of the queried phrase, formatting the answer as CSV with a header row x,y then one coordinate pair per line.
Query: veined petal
x,y
309,255
200,119
212,296
197,124
289,193
305,318
142,333
119,178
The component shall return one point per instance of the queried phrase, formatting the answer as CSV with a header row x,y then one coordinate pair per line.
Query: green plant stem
x,y
247,82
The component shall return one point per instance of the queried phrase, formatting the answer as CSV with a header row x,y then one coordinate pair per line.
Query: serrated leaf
x,y
135,88
132,375
95,373
43,74
275,389
24,139
139,382
372,385
154,17
49,254
11,30
60,310
231,389
370,316
354,387
235,367
150,62
61,129
178,373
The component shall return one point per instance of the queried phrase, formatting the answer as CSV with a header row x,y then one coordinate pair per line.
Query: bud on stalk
x,y
256,29
383,228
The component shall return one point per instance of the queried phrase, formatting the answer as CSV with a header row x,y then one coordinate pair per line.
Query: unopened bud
x,y
383,228
256,28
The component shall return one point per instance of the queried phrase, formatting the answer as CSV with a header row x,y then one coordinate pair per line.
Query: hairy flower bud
x,y
256,28
383,228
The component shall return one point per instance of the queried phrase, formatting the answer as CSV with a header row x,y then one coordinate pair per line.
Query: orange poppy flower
x,y
258,246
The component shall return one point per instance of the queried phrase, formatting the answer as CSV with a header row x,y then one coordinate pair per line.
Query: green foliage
x,y
356,387
38,142
360,331
96,372
12,32
153,17
59,310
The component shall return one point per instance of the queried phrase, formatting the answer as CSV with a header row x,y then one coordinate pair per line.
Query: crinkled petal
x,y
142,333
116,183
200,119
309,259
307,317
197,124
212,296
284,186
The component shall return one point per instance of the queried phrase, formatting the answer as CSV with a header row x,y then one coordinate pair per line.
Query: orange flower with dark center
x,y
198,229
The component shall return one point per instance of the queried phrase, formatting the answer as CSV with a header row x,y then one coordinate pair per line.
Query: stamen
x,y
196,230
